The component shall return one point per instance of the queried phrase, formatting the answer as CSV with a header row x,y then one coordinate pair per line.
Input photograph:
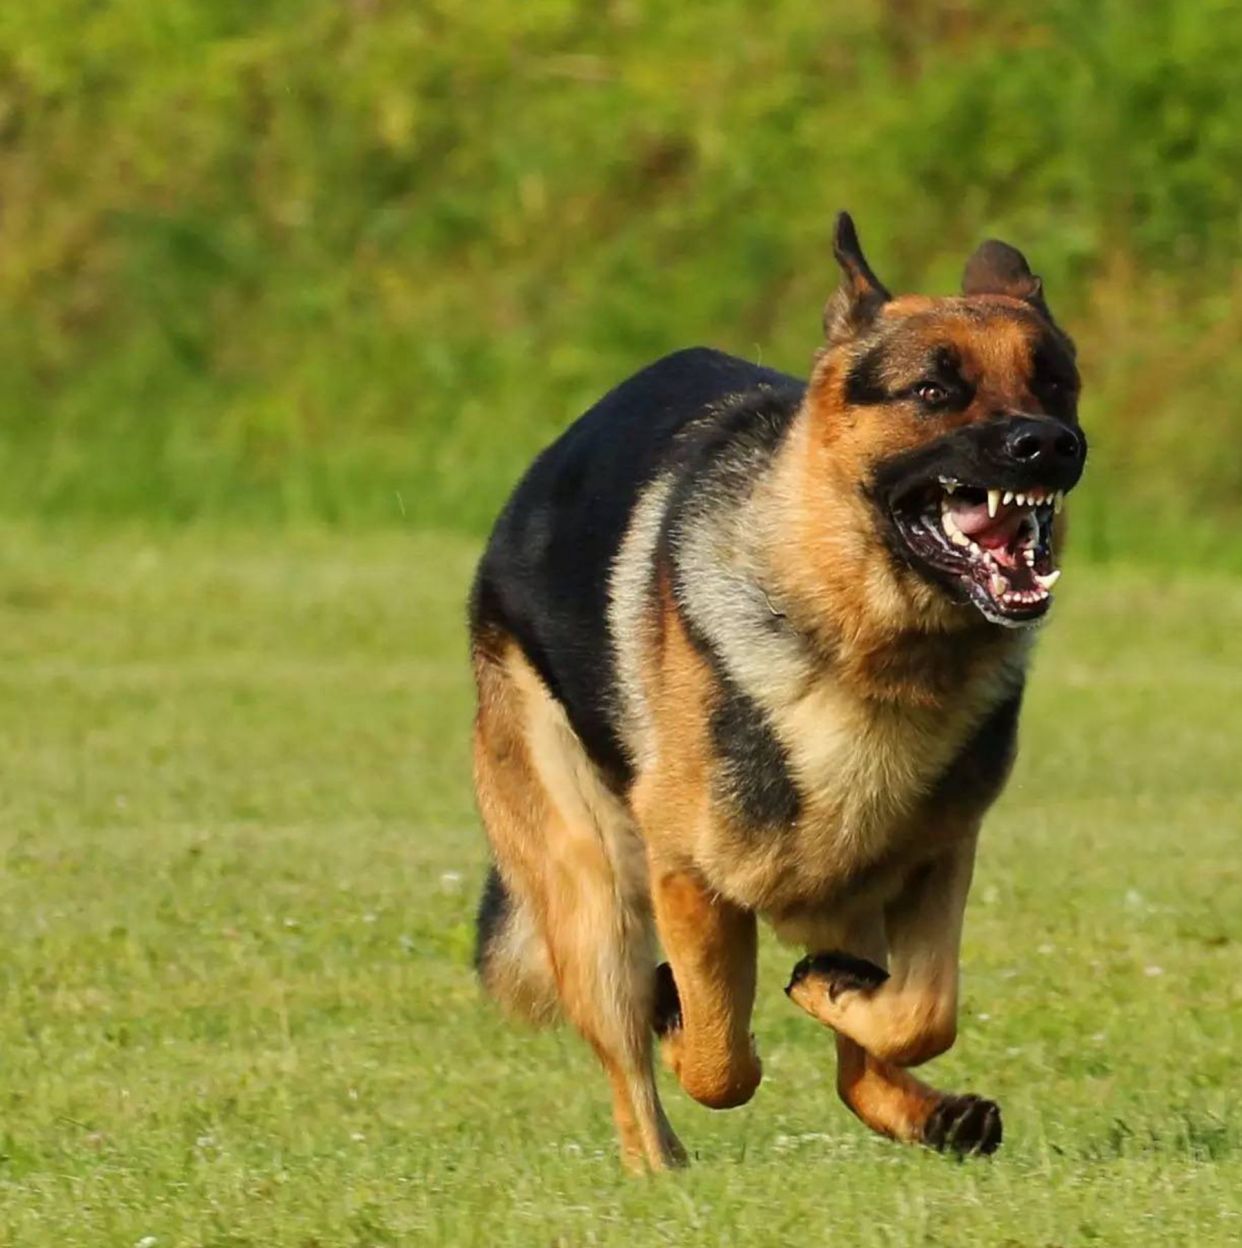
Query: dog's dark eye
x,y
930,392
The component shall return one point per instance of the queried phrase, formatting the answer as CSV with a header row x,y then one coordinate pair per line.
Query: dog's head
x,y
956,419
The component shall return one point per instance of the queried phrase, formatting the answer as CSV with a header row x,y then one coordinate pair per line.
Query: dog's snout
x,y
1043,444
1068,444
1025,444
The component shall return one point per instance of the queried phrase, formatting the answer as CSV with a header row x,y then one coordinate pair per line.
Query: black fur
x,y
714,472
753,774
715,469
945,370
864,383
667,1010
843,971
490,919
543,579
1054,379
974,779
964,1125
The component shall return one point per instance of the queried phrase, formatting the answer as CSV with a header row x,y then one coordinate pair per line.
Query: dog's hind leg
x,y
576,914
511,955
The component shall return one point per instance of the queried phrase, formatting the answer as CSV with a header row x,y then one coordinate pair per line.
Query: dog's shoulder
x,y
577,497
544,579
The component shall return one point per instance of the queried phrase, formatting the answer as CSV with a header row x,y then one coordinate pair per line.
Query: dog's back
x,y
544,578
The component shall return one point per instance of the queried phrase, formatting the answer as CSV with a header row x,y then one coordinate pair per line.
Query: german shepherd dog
x,y
748,646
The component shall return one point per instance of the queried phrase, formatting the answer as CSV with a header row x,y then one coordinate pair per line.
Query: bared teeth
x,y
1025,595
1038,496
998,585
952,532
1048,579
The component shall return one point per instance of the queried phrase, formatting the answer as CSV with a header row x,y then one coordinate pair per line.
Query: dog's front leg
x,y
905,1014
707,989
887,1020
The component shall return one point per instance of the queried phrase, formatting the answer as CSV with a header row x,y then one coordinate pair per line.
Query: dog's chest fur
x,y
862,774
822,758
818,782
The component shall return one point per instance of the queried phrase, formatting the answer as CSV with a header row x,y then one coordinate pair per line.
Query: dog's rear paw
x,y
666,1018
837,973
964,1125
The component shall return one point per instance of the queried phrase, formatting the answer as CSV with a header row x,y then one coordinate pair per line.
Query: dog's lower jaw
x,y
940,608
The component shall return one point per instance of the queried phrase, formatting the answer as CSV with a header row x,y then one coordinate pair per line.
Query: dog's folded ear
x,y
998,269
861,294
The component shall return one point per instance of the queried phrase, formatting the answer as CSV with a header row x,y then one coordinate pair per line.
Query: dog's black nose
x,y
1036,443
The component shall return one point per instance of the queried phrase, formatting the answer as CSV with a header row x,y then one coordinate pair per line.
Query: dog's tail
x,y
511,956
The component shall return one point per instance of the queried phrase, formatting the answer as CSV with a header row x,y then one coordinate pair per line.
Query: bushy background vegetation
x,y
354,260
290,264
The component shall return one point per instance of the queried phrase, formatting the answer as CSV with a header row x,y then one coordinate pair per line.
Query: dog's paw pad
x,y
667,1013
838,972
964,1125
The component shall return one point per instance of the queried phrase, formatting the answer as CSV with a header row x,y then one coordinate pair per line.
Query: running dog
x,y
752,647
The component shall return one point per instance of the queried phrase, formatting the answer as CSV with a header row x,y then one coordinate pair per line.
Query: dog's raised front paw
x,y
837,973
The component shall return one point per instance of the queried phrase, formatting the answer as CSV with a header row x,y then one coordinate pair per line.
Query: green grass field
x,y
240,862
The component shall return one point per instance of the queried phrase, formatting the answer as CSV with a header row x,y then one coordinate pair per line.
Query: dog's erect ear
x,y
860,295
998,269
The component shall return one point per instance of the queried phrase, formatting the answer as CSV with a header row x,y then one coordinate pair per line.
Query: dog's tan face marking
x,y
931,367
989,354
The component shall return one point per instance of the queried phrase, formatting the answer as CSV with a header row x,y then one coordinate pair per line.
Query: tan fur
x,y
866,732
629,620
912,1017
710,942
572,859
882,1095
711,946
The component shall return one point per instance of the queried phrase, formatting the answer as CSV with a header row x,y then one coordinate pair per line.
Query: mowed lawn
x,y
240,861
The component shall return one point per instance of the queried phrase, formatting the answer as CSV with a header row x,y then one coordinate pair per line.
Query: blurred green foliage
x,y
355,260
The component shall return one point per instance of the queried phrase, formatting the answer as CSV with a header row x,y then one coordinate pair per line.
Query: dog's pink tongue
x,y
990,532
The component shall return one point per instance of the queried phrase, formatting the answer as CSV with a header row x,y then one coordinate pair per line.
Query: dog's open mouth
x,y
996,543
